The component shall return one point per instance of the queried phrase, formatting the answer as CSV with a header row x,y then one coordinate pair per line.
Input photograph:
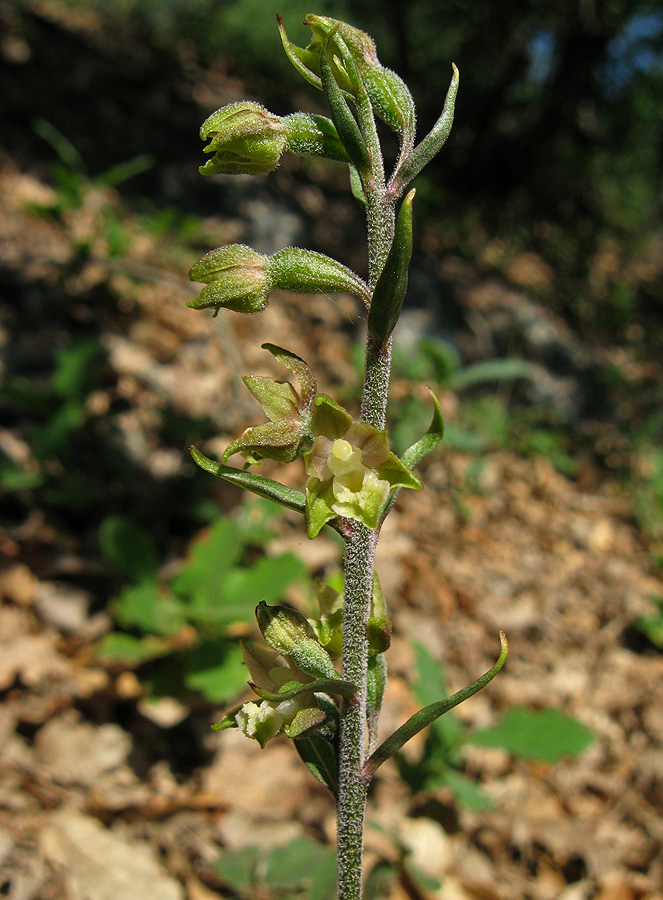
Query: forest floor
x,y
104,793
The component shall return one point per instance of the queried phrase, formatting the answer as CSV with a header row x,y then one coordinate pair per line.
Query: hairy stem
x,y
360,549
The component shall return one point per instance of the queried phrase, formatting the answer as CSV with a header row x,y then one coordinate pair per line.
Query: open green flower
x,y
351,469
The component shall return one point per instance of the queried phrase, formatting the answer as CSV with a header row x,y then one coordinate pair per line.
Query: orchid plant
x,y
321,681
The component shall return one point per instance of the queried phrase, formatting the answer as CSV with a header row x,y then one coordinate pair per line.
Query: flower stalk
x,y
353,477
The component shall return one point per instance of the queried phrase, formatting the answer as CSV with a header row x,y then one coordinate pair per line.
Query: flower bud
x,y
237,278
289,633
245,139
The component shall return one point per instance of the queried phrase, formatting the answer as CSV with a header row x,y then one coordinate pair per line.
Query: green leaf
x,y
235,598
71,378
256,484
432,143
491,370
391,286
379,881
131,650
150,608
319,757
465,790
546,735
418,452
216,669
293,865
429,714
210,560
131,549
652,626
238,869
323,879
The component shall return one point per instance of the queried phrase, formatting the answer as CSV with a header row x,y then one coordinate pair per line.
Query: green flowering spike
x,y
245,139
289,633
313,135
391,287
237,278
351,469
307,272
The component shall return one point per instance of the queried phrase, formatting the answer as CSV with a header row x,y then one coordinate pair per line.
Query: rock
x,y
78,753
96,864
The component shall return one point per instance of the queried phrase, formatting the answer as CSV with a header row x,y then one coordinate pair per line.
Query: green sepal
x,y
301,370
313,135
228,721
391,286
290,634
397,474
273,440
307,272
293,689
266,667
431,145
319,756
304,722
430,713
376,681
342,117
278,399
318,509
256,484
329,418
418,452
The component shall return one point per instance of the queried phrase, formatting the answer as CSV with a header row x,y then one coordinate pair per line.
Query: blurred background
x,y
535,312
